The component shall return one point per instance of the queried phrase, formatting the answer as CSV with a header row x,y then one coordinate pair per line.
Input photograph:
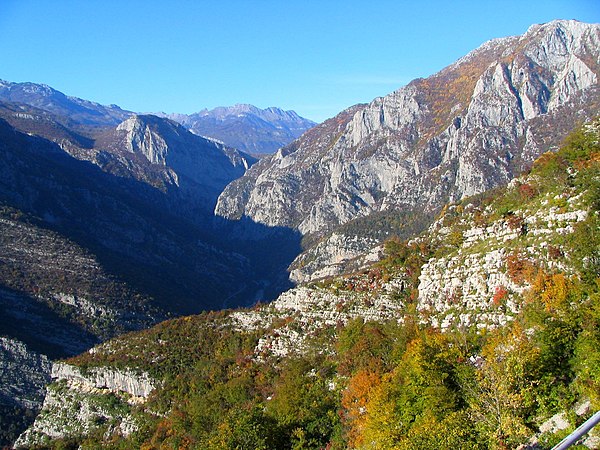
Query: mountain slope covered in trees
x,y
396,356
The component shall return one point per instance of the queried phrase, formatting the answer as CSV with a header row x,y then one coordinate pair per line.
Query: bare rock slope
x,y
472,126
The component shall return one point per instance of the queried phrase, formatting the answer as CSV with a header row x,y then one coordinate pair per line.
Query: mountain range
x,y
480,333
472,126
468,128
114,221
244,127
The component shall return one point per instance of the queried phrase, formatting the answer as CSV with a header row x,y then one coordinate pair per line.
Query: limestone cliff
x,y
79,401
180,159
23,374
472,126
23,378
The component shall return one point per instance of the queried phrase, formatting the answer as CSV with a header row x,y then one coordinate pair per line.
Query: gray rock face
x,y
471,127
78,402
23,375
264,193
105,378
185,160
333,256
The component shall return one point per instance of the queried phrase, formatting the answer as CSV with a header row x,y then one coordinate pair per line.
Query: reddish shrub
x,y
519,268
500,295
516,222
527,191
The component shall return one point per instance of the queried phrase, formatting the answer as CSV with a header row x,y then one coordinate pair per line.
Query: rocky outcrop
x,y
475,285
563,420
472,126
189,162
23,375
79,401
104,378
337,254
303,311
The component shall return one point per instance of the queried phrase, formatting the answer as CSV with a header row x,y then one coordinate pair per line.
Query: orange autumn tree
x,y
354,404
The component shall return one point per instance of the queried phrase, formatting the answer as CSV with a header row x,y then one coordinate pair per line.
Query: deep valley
x,y
421,271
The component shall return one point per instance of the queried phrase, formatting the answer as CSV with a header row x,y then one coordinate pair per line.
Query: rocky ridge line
x,y
423,144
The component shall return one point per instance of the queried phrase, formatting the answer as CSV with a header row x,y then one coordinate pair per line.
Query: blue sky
x,y
317,57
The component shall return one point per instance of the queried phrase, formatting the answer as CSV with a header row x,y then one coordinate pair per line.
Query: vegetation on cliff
x,y
408,383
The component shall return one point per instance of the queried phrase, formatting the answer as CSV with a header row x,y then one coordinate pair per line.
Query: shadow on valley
x,y
175,257
41,328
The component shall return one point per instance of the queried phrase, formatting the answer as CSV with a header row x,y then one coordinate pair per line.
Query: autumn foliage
x,y
402,384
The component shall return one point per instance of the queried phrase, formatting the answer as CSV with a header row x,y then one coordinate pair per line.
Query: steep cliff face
x,y
23,373
78,402
336,255
267,188
138,386
168,156
470,127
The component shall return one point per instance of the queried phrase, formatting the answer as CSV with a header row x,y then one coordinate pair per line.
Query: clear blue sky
x,y
314,56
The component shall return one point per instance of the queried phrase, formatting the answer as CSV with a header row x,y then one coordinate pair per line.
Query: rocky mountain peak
x,y
470,127
148,135
246,127
193,163
561,37
221,112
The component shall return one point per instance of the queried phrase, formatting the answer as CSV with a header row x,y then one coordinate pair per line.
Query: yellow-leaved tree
x,y
418,404
502,388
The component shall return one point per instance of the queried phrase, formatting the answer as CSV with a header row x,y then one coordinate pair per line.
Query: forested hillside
x,y
470,336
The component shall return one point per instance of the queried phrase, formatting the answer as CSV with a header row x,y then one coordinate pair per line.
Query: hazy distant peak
x,y
246,127
272,112
49,99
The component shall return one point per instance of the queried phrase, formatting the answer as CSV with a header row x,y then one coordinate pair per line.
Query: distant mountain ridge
x,y
247,127
44,97
244,127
